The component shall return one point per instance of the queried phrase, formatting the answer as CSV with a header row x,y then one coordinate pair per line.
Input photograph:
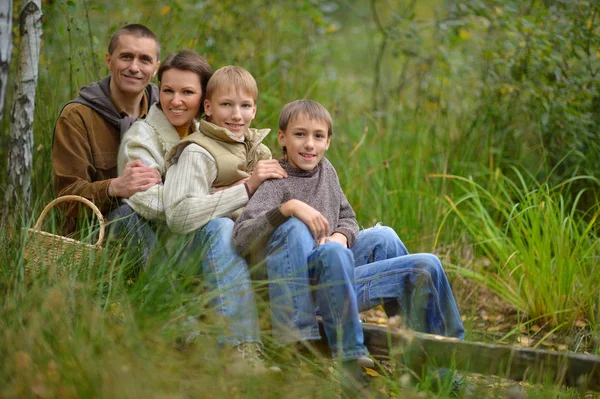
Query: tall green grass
x,y
543,255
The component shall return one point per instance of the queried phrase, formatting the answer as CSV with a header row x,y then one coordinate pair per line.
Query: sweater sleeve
x,y
140,142
260,218
347,224
189,204
73,165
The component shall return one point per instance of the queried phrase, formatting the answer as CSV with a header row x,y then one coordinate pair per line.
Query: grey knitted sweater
x,y
319,188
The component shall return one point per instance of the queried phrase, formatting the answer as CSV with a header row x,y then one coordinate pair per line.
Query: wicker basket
x,y
58,253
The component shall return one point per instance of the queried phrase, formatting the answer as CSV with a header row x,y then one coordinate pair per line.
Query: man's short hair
x,y
234,76
137,30
188,60
312,109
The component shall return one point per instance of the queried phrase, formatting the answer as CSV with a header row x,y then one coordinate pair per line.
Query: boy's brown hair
x,y
312,109
188,60
234,76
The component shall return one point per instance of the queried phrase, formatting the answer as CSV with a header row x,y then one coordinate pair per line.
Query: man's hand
x,y
316,222
265,169
136,177
335,237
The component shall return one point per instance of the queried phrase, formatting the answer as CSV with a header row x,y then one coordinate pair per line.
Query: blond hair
x,y
233,76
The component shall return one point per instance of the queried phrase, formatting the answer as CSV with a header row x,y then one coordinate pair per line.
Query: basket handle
x,y
51,204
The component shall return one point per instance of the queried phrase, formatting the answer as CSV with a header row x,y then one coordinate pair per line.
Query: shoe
x,y
354,382
247,359
365,361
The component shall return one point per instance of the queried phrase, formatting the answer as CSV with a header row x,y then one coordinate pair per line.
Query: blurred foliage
x,y
508,82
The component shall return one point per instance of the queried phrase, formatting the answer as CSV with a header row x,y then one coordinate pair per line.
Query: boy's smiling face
x,y
231,109
305,140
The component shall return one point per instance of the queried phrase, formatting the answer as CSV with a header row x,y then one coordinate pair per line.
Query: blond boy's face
x,y
305,140
231,109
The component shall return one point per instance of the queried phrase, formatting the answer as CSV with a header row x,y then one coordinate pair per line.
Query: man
x,y
89,130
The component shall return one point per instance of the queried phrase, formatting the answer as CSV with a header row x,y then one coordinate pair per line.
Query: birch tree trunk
x,y
20,153
5,48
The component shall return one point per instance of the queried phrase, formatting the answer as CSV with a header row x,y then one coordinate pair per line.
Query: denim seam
x,y
433,288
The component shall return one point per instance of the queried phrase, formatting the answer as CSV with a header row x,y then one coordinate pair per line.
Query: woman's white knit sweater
x,y
149,140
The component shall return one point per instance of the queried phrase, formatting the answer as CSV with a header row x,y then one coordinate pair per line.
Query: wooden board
x,y
418,350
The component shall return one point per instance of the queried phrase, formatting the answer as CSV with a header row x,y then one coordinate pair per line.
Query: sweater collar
x,y
166,132
293,171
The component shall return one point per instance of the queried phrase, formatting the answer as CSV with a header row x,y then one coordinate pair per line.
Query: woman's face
x,y
180,95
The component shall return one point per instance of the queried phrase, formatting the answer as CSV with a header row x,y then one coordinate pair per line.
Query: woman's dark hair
x,y
188,60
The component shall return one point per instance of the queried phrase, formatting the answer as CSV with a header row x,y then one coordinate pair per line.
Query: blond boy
x,y
214,172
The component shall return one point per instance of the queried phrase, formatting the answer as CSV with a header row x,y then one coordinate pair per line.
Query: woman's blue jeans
x,y
302,277
412,286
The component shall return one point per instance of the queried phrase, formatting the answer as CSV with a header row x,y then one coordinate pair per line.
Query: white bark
x,y
6,7
20,155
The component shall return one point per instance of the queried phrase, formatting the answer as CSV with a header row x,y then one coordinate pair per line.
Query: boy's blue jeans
x,y
225,273
293,266
412,286
227,278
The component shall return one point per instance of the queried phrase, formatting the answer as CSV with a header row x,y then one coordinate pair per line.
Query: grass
x,y
543,254
434,152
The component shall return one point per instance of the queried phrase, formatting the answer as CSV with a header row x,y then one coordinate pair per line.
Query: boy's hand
x,y
136,177
265,169
316,222
335,237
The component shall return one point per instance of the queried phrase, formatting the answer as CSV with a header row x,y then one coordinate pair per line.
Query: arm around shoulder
x,y
188,200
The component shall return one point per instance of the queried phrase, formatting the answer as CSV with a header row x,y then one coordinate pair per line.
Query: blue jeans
x,y
293,266
125,224
226,276
412,286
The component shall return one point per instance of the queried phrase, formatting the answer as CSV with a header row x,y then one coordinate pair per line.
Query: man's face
x,y
132,64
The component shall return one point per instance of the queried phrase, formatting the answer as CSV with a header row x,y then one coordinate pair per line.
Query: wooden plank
x,y
418,350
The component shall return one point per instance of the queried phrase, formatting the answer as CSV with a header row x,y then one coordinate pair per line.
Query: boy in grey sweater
x,y
322,226
301,221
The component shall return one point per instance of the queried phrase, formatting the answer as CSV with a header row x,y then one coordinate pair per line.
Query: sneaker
x,y
365,361
354,383
247,359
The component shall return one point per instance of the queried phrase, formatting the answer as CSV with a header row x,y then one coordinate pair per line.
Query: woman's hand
x,y
265,169
316,222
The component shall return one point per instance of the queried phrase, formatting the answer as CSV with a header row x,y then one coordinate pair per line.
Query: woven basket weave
x,y
46,250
